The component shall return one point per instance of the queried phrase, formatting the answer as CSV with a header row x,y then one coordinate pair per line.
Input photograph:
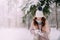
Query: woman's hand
x,y
38,32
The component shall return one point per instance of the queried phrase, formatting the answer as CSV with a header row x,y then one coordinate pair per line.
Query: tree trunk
x,y
56,16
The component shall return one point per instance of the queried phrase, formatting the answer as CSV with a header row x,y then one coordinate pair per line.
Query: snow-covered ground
x,y
24,34
15,34
54,34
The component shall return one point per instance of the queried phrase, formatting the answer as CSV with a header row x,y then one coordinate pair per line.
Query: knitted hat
x,y
39,14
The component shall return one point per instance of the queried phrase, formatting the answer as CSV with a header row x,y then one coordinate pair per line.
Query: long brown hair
x,y
43,19
35,22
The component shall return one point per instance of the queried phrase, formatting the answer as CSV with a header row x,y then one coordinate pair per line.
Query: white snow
x,y
54,34
23,34
15,34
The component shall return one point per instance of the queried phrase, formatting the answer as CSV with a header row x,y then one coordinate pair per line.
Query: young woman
x,y
39,27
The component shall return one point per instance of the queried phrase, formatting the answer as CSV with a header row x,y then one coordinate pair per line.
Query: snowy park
x,y
11,26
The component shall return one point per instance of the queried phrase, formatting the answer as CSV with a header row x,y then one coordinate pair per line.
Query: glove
x,y
39,32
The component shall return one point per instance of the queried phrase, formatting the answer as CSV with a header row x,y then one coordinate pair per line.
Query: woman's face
x,y
39,20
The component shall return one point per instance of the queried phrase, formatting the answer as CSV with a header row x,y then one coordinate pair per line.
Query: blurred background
x,y
13,13
16,17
